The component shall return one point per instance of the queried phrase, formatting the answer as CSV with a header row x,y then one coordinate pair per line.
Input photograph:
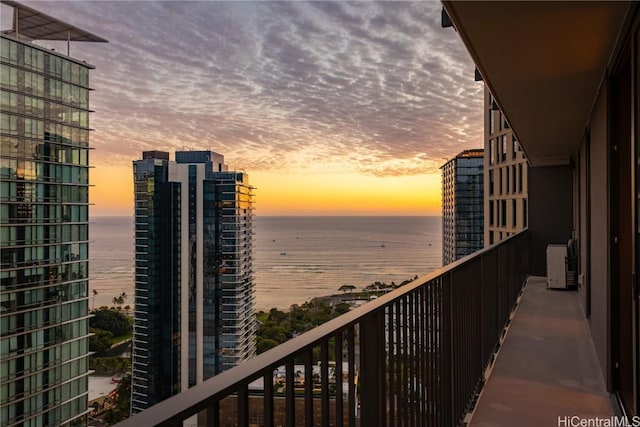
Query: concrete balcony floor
x,y
546,367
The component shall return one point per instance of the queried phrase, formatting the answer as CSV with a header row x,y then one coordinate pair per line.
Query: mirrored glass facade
x,y
44,186
462,205
194,276
157,301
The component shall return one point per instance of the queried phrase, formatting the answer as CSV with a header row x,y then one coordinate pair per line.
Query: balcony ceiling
x,y
544,62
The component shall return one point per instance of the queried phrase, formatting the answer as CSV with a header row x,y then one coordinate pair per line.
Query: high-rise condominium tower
x,y
44,183
194,289
462,205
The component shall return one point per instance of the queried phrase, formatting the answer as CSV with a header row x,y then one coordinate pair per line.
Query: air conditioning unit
x,y
557,266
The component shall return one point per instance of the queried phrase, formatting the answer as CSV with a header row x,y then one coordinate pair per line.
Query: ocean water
x,y
111,261
295,258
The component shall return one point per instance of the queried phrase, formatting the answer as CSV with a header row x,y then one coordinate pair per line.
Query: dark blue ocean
x,y
295,258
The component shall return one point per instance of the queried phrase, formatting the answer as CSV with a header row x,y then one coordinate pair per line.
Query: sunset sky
x,y
332,108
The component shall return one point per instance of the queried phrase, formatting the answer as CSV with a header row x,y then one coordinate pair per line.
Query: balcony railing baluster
x,y
391,343
411,360
324,386
404,372
351,369
268,410
290,393
339,420
243,406
308,388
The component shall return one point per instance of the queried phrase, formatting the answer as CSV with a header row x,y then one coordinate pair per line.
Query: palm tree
x,y
119,300
93,305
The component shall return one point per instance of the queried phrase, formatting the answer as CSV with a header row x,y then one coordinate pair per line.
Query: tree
x,y
346,288
276,315
273,332
121,403
265,344
110,365
119,300
278,326
342,308
100,341
93,304
110,320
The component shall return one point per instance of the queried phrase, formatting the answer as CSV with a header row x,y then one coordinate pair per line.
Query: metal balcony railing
x,y
415,356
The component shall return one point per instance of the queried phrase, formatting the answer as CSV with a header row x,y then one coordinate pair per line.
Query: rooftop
x,y
32,24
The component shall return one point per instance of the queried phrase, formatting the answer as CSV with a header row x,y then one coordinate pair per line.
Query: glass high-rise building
x,y
44,186
194,290
462,205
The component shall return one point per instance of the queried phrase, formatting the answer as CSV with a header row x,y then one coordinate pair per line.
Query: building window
x,y
503,220
524,212
500,181
503,154
492,121
508,180
520,185
491,212
514,213
491,182
513,178
491,237
492,151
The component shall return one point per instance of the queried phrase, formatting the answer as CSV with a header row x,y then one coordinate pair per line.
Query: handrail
x,y
412,342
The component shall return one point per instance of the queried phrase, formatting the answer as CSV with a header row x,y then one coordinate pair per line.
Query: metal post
x,y
372,375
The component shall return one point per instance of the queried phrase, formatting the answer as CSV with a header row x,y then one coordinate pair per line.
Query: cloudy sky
x,y
331,107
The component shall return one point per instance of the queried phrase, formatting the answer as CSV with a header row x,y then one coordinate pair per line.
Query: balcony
x,y
546,368
448,349
415,356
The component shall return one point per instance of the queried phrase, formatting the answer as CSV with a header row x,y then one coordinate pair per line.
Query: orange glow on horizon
x,y
289,193
112,191
346,194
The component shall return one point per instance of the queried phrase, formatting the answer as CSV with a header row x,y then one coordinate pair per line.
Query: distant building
x,y
194,290
44,226
462,205
505,173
